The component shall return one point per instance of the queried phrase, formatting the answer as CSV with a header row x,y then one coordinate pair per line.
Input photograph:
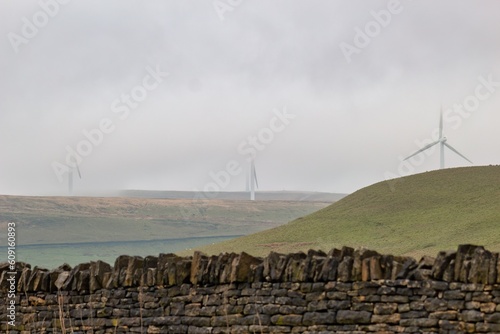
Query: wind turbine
x,y
70,177
442,143
253,180
247,179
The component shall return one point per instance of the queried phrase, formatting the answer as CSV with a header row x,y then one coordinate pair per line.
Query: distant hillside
x,y
414,215
51,220
300,196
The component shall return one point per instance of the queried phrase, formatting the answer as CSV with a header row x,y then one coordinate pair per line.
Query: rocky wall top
x,y
469,264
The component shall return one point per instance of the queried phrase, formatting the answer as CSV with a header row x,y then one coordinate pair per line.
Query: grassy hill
x,y
415,215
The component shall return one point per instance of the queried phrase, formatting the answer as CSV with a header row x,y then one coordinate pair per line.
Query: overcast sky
x,y
357,84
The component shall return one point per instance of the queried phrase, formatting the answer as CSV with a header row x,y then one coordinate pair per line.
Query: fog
x,y
170,95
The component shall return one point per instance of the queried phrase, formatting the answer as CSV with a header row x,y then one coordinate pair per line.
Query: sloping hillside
x,y
414,215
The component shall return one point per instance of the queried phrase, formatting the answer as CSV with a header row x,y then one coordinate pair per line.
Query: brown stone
x,y
385,308
408,266
72,280
441,263
396,266
243,267
387,318
269,265
61,279
82,280
287,320
275,264
296,267
419,322
164,266
482,327
209,275
386,262
182,271
462,259
498,270
294,270
449,273
224,266
471,316
133,271
353,317
345,269
198,265
494,318
359,256
318,318
97,271
22,283
492,270
30,280
148,277
330,266
375,268
317,264
150,262
488,307
38,280
365,270
119,268
346,251
444,315
480,266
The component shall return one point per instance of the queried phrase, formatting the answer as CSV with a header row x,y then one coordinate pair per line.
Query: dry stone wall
x,y
344,291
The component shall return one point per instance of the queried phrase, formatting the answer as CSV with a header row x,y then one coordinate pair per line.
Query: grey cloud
x,y
353,120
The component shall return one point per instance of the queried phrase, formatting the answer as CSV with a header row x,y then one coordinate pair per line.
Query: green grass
x,y
415,215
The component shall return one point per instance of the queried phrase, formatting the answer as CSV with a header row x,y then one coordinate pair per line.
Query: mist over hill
x,y
300,196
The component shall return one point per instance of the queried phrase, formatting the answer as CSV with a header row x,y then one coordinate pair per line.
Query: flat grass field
x,y
415,215
54,230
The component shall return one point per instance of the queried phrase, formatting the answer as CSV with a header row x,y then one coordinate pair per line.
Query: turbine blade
x,y
451,148
441,123
421,150
78,170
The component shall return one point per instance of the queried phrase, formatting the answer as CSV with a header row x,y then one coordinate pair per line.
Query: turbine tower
x,y
253,180
442,143
247,178
70,178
